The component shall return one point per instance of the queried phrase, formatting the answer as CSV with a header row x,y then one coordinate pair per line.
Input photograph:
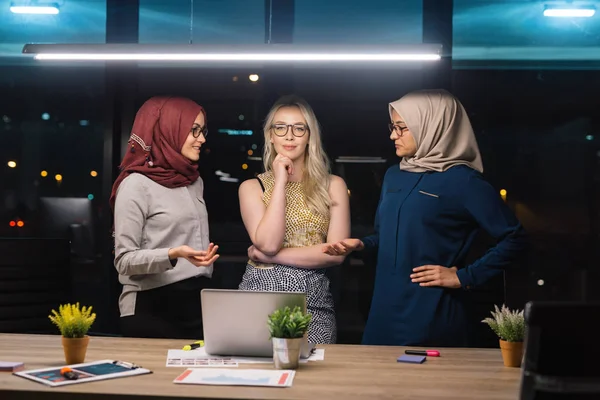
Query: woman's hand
x,y
436,275
343,247
256,255
283,167
200,258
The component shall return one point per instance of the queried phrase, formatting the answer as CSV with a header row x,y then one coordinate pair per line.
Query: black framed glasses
x,y
196,131
397,129
298,130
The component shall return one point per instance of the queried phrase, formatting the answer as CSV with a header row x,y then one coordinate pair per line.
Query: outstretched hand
x,y
436,275
343,247
200,258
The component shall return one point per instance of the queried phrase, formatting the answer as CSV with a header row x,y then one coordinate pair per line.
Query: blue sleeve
x,y
371,241
484,204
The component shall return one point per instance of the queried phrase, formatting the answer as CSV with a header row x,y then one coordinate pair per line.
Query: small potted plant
x,y
288,327
509,326
73,323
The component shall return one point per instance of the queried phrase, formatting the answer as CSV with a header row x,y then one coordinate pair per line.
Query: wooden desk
x,y
348,372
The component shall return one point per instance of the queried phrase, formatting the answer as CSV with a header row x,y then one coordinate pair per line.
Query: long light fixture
x,y
360,160
34,8
569,12
266,53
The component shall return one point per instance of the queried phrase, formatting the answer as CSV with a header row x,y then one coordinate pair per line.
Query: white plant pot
x,y
286,352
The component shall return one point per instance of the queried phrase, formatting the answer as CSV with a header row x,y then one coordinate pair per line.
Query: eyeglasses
x,y
398,129
197,131
298,130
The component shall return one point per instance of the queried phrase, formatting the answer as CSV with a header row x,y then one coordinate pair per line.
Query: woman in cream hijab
x,y
431,206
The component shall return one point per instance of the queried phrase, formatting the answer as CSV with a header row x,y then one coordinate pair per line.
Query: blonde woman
x,y
290,210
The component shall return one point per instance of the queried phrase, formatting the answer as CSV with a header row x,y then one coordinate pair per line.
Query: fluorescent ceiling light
x,y
236,54
569,12
237,57
34,9
360,160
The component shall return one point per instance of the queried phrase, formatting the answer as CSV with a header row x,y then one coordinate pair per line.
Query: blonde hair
x,y
315,179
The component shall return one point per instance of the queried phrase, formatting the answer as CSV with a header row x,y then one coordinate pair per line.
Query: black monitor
x,y
36,277
68,218
561,351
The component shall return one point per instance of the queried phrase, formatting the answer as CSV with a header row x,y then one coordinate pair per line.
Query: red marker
x,y
429,353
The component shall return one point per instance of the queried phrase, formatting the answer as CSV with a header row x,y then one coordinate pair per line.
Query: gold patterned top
x,y
303,227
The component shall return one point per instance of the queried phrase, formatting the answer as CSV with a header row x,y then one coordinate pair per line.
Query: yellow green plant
x,y
286,323
72,321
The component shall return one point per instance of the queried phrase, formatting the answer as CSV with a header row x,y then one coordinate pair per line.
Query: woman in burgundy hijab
x,y
162,249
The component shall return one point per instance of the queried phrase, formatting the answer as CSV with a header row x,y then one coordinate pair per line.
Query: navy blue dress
x,y
432,218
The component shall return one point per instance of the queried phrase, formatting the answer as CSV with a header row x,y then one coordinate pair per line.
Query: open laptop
x,y
235,321
561,351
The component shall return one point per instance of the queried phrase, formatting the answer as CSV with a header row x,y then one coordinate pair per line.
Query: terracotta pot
x,y
512,353
286,353
75,349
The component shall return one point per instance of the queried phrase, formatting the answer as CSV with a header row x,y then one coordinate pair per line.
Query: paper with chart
x,y
195,358
237,377
199,358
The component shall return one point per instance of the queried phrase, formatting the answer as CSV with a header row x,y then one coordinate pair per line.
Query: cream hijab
x,y
442,132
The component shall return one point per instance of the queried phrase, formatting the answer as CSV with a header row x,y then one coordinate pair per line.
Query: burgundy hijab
x,y
161,127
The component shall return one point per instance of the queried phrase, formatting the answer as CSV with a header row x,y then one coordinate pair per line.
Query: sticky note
x,y
11,366
412,359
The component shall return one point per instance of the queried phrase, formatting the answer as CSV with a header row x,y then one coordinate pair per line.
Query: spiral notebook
x,y
86,372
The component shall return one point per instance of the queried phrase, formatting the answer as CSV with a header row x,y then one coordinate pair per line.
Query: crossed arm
x,y
266,226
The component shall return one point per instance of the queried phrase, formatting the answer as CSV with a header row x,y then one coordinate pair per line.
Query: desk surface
x,y
348,371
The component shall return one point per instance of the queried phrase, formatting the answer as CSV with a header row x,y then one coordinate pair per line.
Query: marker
x,y
430,353
68,373
194,345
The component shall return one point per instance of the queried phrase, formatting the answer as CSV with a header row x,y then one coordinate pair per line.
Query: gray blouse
x,y
149,220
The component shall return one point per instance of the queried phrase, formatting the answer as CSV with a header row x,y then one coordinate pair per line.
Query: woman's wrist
x,y
279,185
174,253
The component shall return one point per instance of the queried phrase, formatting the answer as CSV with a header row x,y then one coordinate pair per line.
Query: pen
x,y
194,345
126,364
430,353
